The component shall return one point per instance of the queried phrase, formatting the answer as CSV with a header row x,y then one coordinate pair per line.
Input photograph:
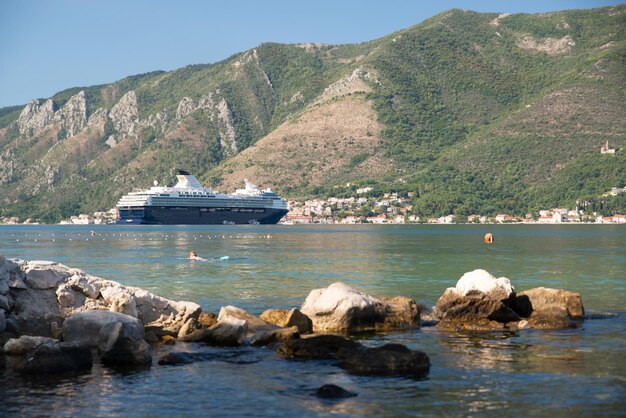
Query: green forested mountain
x,y
473,112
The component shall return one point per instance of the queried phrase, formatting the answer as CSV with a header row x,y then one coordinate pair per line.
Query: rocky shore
x,y
55,318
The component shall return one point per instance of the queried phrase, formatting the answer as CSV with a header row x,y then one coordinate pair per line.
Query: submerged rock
x,y
56,358
340,308
390,359
331,391
316,347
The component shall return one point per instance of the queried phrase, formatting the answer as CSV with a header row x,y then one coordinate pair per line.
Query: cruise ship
x,y
189,203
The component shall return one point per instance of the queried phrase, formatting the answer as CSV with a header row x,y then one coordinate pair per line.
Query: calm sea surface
x,y
578,372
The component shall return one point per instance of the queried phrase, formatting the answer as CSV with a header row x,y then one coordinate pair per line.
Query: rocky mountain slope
x,y
471,111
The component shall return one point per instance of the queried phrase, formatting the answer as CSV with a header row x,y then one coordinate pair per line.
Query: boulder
x,y
400,313
275,336
56,358
478,302
288,318
3,322
45,274
92,328
340,308
26,343
256,328
390,359
188,327
331,391
128,351
34,311
229,332
551,308
207,319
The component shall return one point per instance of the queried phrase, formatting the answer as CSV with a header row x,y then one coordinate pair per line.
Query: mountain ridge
x,y
456,109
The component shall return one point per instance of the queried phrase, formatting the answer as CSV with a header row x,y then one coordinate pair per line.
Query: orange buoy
x,y
488,238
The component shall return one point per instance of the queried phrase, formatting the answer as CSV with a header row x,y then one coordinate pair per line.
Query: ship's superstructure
x,y
188,202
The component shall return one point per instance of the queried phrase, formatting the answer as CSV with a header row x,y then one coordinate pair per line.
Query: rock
x,y
56,358
26,343
207,319
548,308
330,391
427,315
128,351
275,316
277,335
169,316
256,328
188,327
36,116
478,302
390,359
91,328
185,107
173,359
87,285
68,297
168,340
228,332
3,322
73,115
542,298
125,115
480,281
288,318
125,304
34,311
400,313
43,278
340,308
316,347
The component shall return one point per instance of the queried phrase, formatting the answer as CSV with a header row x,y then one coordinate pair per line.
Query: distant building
x,y
380,219
606,150
448,219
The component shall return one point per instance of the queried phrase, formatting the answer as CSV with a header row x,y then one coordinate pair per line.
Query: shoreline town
x,y
391,208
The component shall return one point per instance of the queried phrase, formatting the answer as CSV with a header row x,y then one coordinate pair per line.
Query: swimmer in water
x,y
194,256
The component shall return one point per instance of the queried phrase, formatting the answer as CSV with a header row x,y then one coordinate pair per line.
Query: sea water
x,y
526,373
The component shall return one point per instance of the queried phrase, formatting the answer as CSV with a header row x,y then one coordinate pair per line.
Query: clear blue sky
x,y
47,46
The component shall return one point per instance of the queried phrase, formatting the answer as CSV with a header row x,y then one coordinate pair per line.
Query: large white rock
x,y
42,293
339,307
482,281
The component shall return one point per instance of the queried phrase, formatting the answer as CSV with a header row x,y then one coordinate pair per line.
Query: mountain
x,y
472,112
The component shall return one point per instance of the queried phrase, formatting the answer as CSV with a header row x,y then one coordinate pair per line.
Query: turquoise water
x,y
569,372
